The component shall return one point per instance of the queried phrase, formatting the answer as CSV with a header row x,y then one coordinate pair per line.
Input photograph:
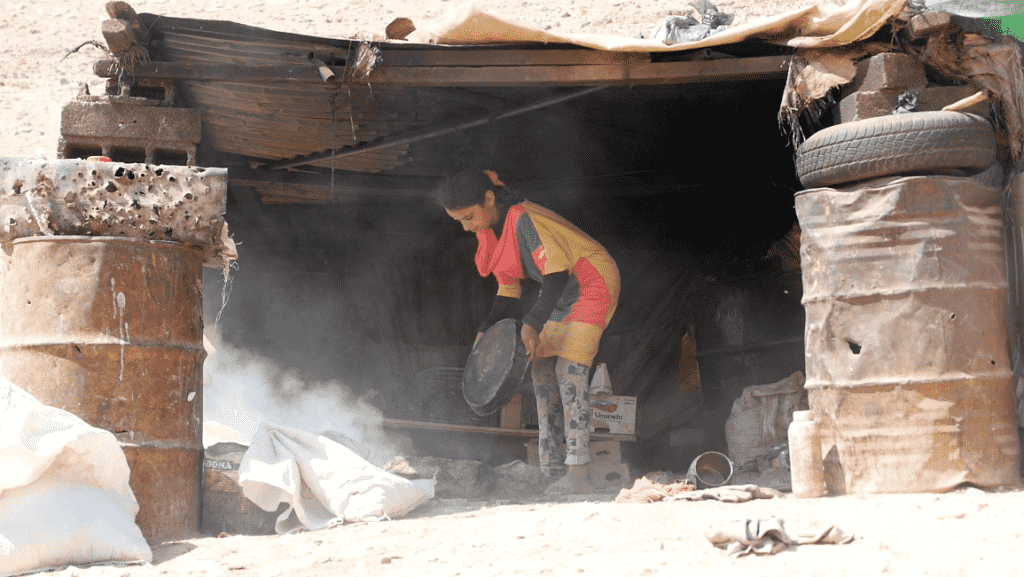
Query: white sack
x,y
64,493
323,482
760,418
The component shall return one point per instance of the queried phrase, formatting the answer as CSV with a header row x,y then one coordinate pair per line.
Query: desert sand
x,y
964,532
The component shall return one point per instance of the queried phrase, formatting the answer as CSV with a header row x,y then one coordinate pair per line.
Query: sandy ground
x,y
965,532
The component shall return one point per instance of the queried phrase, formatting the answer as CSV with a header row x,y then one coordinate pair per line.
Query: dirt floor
x,y
964,532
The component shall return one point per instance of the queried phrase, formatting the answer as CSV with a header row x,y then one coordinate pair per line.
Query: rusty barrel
x,y
906,345
110,329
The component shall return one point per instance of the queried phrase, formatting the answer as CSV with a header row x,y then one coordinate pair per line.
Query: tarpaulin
x,y
819,25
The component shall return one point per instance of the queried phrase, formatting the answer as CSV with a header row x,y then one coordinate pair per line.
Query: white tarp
x,y
64,493
324,482
819,25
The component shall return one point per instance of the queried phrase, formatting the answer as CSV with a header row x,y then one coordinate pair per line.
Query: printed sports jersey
x,y
534,242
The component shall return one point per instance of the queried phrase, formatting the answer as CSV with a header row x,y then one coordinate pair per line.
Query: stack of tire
x,y
906,345
870,141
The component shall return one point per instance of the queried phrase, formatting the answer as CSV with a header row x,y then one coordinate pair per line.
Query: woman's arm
x,y
503,308
550,290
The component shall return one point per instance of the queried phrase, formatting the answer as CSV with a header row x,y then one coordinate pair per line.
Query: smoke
x,y
242,389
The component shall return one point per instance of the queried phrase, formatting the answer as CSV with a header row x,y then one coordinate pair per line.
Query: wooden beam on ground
x,y
414,425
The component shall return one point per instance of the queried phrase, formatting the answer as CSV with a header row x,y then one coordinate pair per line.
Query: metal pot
x,y
496,369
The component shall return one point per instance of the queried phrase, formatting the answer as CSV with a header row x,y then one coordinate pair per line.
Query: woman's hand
x,y
532,341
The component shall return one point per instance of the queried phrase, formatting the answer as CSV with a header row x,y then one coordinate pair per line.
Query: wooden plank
x,y
418,425
624,73
512,413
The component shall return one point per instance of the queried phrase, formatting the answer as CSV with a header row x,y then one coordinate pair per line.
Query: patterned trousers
x,y
563,413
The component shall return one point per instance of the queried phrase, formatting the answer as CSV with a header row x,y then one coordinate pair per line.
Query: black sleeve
x,y
550,289
503,308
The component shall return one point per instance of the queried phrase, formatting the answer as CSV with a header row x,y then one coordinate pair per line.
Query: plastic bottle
x,y
806,469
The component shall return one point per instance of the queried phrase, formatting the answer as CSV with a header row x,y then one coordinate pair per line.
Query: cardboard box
x,y
607,468
612,413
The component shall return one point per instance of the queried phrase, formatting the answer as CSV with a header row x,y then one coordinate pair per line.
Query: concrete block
x,y
873,103
888,71
929,23
129,133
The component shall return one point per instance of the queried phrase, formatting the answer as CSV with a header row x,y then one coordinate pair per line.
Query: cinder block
x,y
888,71
929,23
145,131
872,103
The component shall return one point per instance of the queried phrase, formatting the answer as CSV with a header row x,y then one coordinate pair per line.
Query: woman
x,y
579,292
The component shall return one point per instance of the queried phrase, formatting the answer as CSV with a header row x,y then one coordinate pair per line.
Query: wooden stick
x,y
965,103
402,424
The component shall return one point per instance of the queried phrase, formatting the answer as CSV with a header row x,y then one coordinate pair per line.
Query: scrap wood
x,y
769,536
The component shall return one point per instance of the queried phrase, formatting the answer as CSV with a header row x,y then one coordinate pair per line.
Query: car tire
x,y
900,144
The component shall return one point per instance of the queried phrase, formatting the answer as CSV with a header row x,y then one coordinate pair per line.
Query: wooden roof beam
x,y
628,71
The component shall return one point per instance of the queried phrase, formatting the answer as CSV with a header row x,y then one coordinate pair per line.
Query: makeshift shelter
x,y
670,155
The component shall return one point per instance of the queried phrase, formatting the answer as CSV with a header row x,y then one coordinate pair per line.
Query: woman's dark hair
x,y
470,187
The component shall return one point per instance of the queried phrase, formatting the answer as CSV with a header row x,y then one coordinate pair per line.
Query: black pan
x,y
496,369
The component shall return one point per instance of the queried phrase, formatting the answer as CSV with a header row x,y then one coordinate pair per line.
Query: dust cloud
x,y
242,389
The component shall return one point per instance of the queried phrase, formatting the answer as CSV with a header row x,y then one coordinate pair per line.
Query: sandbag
x,y
64,493
760,419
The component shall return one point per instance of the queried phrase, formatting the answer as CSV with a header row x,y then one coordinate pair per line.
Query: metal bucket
x,y
110,329
225,508
710,470
906,341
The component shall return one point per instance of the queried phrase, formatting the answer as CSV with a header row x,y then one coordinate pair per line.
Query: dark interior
x,y
689,186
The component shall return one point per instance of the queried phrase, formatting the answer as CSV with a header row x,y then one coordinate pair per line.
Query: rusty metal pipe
x,y
322,68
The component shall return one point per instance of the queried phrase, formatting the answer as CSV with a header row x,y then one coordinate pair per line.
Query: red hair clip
x,y
494,178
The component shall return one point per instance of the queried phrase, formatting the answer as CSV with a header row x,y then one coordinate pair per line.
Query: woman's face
x,y
476,217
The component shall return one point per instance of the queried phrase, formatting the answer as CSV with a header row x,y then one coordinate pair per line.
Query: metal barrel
x,y
1015,271
906,344
110,329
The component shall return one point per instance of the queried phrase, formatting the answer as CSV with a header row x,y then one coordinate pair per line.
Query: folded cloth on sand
x,y
728,494
768,536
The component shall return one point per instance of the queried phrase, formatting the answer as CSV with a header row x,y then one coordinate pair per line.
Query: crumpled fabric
x,y
728,494
645,490
769,536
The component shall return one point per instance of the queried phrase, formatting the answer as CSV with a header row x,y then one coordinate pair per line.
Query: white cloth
x,y
323,482
64,493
